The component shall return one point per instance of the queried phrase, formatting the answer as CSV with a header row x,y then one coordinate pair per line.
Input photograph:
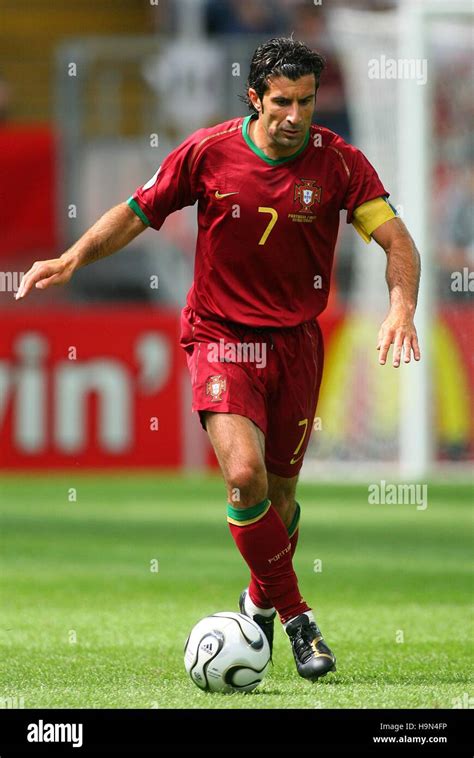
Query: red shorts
x,y
271,376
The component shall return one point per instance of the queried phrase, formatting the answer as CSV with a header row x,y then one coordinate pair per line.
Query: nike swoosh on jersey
x,y
226,194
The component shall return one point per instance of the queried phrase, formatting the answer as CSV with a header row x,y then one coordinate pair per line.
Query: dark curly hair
x,y
281,56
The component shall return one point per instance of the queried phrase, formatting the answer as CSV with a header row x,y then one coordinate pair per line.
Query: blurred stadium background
x,y
93,95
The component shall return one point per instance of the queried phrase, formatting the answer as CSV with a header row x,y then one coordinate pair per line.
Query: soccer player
x,y
269,188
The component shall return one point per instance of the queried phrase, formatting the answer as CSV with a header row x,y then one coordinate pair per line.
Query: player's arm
x,y
403,278
115,229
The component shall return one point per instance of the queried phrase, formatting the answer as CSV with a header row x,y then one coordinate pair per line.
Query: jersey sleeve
x,y
364,183
173,186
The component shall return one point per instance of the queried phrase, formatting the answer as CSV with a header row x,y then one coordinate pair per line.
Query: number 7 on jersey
x,y
271,223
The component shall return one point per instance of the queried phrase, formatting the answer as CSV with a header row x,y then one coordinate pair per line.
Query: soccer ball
x,y
227,652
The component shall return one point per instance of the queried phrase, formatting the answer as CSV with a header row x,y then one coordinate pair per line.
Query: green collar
x,y
260,153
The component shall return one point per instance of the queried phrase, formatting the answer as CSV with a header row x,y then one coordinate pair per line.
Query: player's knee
x,y
247,484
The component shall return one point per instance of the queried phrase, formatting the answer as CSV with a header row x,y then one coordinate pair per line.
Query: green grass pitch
x,y
85,622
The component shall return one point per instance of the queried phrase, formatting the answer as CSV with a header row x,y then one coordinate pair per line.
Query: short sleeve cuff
x,y
136,209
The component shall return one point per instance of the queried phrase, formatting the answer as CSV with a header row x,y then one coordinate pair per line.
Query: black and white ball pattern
x,y
227,652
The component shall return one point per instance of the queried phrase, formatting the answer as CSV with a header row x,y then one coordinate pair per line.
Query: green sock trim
x,y
295,521
245,514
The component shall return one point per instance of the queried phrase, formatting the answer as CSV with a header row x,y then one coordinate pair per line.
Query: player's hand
x,y
43,274
398,330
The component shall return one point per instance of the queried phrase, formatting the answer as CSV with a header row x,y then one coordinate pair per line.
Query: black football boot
x,y
312,656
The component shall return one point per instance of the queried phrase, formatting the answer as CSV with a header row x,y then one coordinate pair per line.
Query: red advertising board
x,y
109,387
93,388
27,190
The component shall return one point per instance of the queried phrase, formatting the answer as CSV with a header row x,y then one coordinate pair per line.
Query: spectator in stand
x,y
244,17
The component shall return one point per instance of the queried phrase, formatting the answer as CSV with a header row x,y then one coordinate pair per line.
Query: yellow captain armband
x,y
368,216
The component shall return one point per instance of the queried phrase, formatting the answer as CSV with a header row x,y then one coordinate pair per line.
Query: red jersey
x,y
267,228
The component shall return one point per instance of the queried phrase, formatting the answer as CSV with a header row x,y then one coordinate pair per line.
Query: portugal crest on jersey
x,y
215,386
308,193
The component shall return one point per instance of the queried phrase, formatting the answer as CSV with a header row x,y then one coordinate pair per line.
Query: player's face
x,y
288,111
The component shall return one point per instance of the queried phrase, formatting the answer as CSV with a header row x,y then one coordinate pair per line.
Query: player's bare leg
x,y
282,493
263,540
239,446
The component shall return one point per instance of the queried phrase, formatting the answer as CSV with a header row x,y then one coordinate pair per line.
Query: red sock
x,y
263,541
257,595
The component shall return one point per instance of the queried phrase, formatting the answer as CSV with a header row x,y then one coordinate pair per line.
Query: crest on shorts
x,y
215,386
308,193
